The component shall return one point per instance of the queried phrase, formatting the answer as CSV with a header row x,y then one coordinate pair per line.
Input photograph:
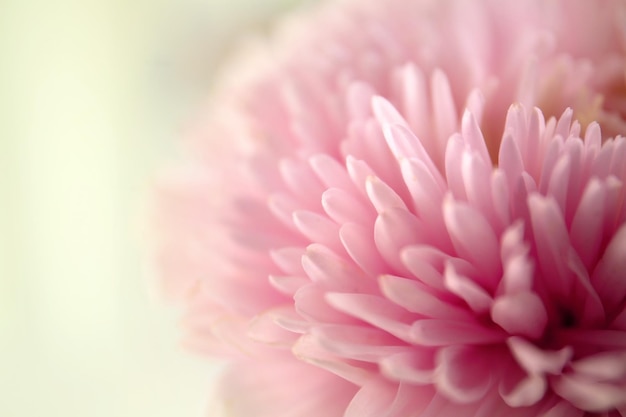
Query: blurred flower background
x,y
93,96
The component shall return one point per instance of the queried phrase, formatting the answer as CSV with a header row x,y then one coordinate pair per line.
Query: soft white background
x,y
93,93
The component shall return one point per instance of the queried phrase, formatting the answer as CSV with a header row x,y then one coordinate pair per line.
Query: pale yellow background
x,y
92,97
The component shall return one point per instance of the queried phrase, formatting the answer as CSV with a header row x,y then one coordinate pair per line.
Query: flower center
x,y
567,319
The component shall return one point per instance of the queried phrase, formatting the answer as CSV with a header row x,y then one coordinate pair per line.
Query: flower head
x,y
424,215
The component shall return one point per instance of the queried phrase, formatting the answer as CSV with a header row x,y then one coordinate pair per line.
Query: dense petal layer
x,y
428,222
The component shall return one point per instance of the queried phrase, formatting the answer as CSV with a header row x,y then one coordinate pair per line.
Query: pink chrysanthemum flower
x,y
414,208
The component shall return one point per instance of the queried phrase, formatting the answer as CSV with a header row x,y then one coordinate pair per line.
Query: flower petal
x,y
343,207
608,276
360,343
334,272
552,242
373,399
359,243
605,366
521,313
330,172
466,289
269,391
418,298
263,328
435,332
288,259
317,228
382,196
527,392
474,240
462,373
376,311
394,230
587,226
538,361
587,394
415,366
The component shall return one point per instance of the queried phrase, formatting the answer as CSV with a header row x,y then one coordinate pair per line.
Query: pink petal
x,y
427,197
435,332
376,311
394,230
359,243
373,399
282,207
512,241
263,328
462,374
532,150
455,149
588,394
310,303
426,264
308,351
270,392
560,181
475,104
538,361
605,366
590,311
382,196
552,242
288,318
330,172
552,154
288,284
359,171
334,272
301,181
518,274
564,123
414,99
379,156
474,137
418,298
476,298
415,366
405,145
288,259
318,228
526,392
440,405
421,183
386,113
601,164
477,179
510,160
617,160
444,110
343,207
563,409
410,400
359,98
474,240
500,197
606,339
521,313
608,276
357,342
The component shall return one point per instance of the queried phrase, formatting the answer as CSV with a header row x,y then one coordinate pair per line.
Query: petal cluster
x,y
424,217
